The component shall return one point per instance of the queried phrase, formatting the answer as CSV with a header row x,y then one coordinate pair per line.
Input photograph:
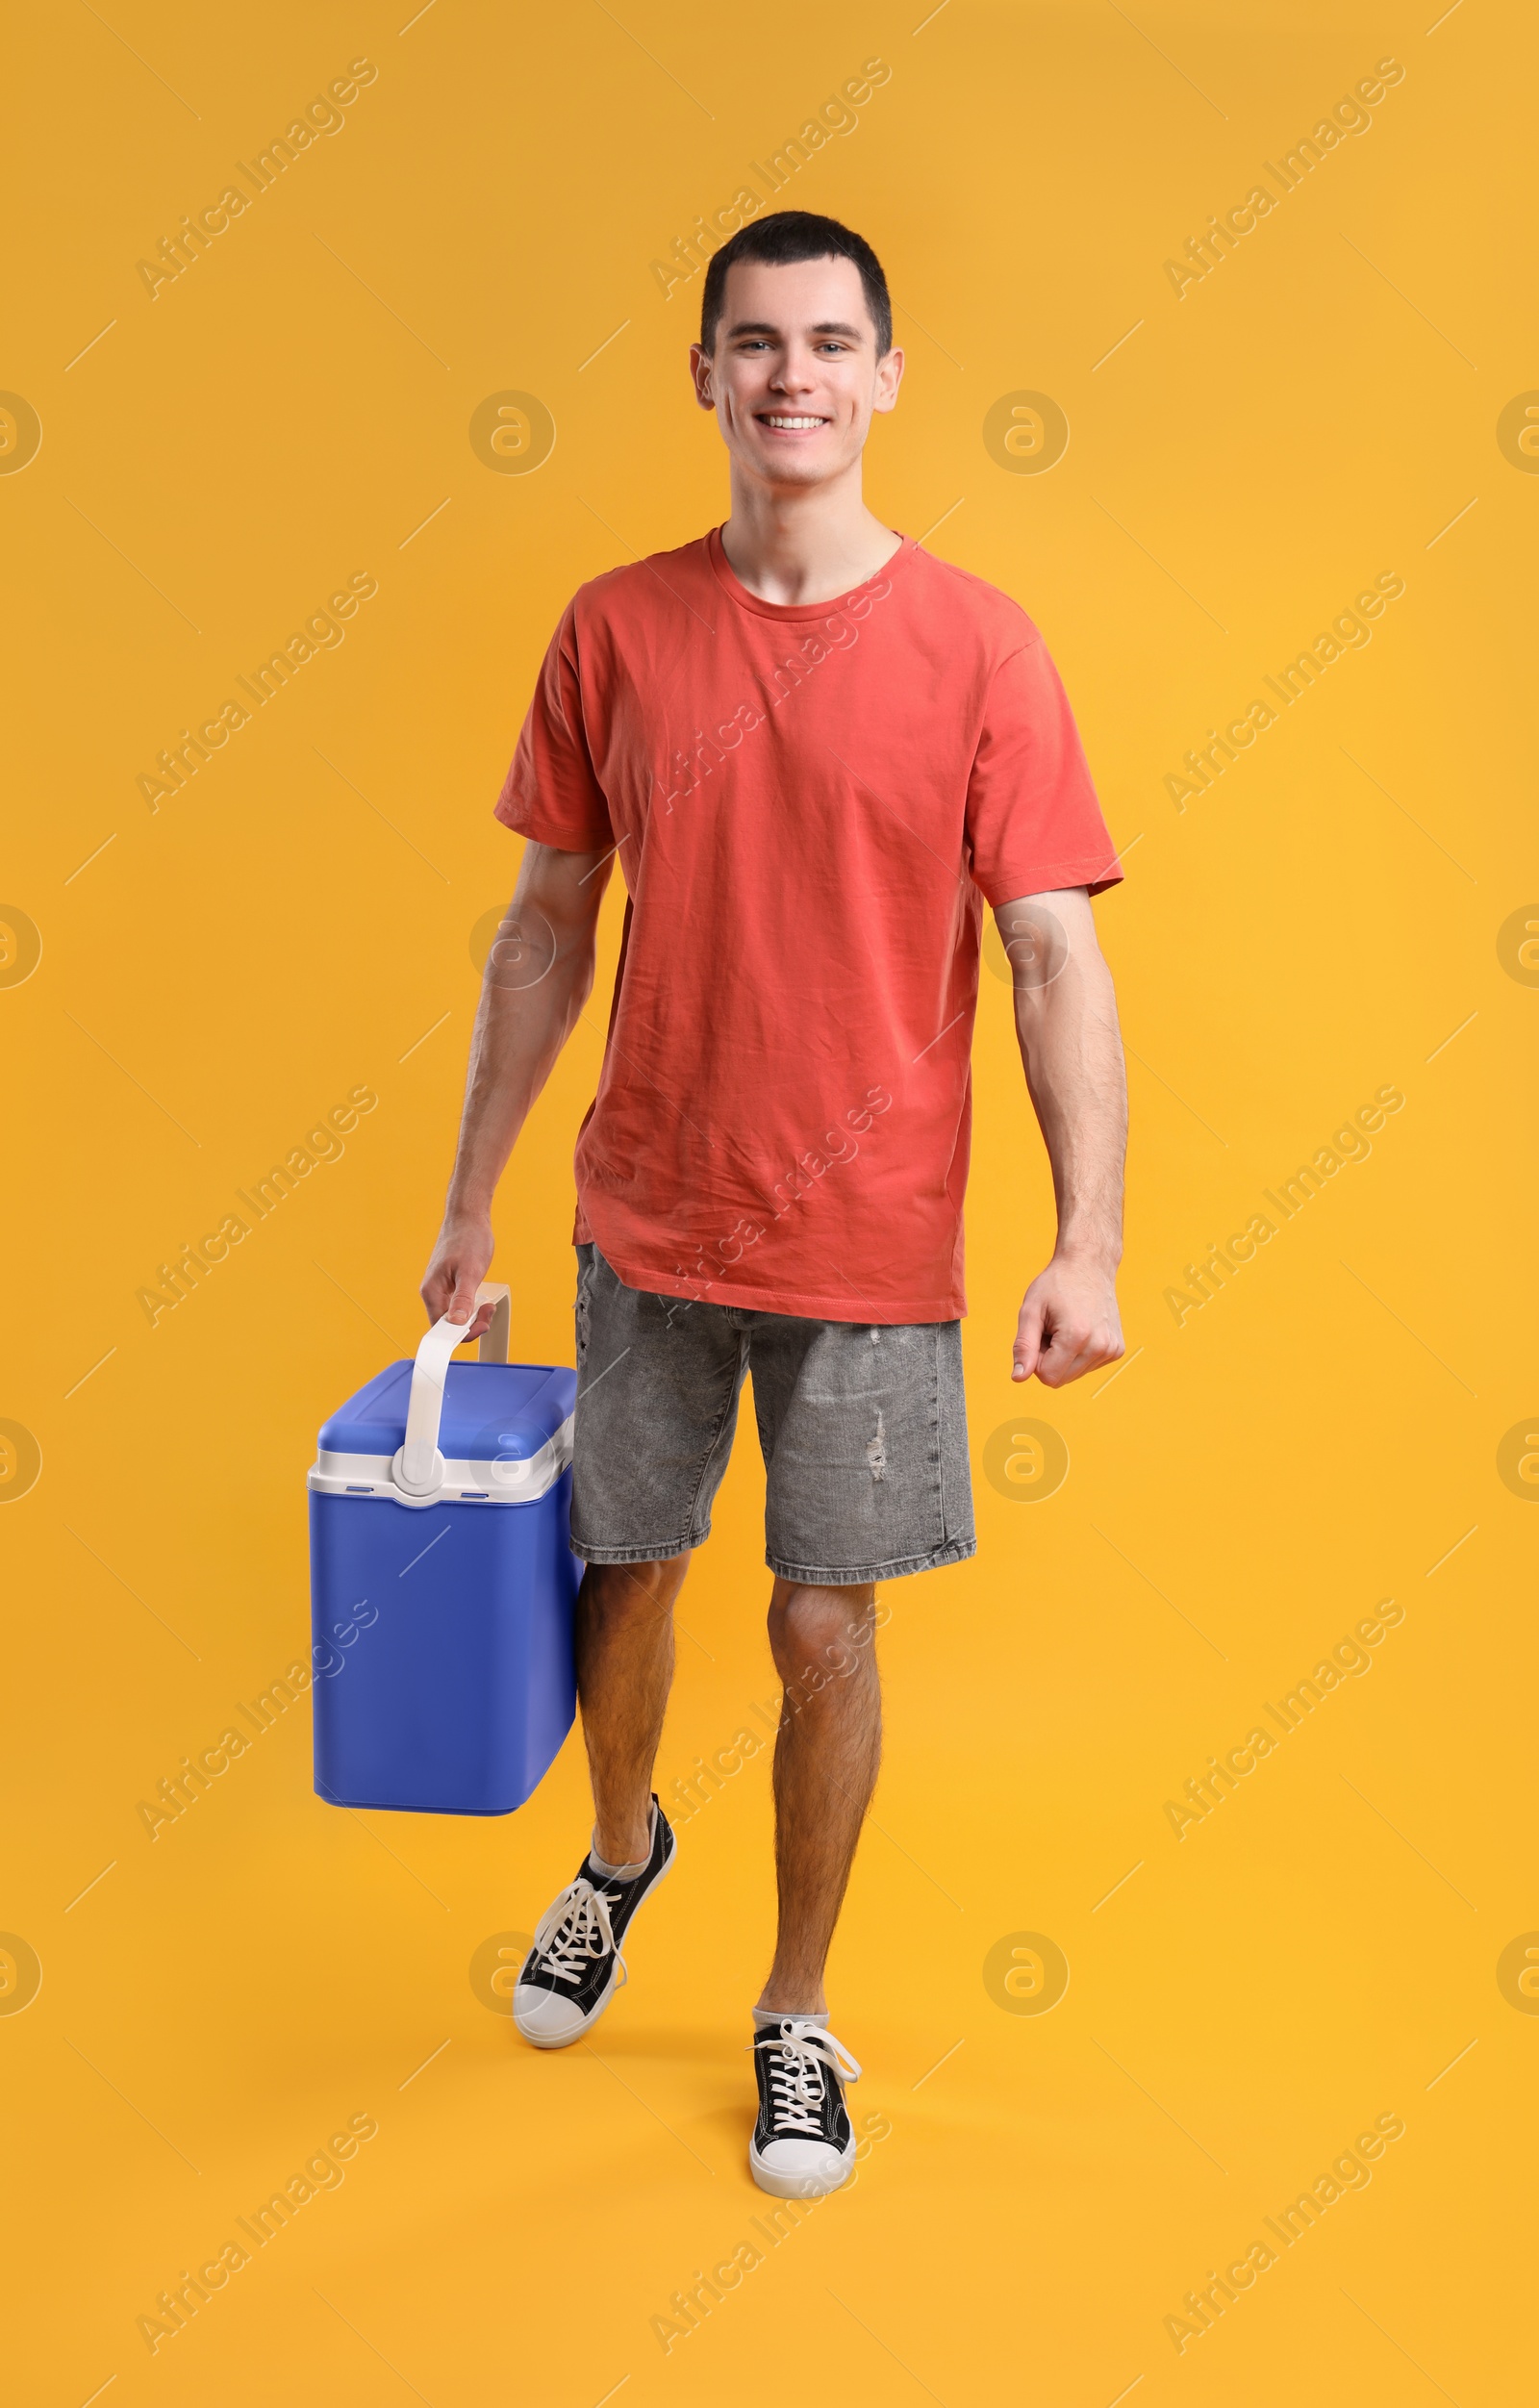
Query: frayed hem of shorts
x,y
668,1552
865,1576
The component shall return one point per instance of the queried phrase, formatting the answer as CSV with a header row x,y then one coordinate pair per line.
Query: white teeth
x,y
774,422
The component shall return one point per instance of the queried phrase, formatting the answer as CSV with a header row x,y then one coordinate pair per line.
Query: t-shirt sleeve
x,y
1033,821
551,790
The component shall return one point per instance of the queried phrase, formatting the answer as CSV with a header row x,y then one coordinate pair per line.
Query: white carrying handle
x,y
418,1467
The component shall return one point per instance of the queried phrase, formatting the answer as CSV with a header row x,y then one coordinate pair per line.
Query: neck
x,y
790,546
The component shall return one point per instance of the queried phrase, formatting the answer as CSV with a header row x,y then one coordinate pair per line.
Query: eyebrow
x,y
759,326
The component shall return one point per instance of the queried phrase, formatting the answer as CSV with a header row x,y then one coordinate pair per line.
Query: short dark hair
x,y
782,239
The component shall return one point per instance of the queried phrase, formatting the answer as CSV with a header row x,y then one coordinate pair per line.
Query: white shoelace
x,y
798,2053
576,1930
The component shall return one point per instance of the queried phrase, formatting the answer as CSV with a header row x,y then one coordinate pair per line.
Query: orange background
x,y
1345,1422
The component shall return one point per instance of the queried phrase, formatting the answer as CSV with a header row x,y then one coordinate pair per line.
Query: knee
x,y
633,1591
817,1633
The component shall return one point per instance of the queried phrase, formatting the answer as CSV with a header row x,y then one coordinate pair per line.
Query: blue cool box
x,y
441,1595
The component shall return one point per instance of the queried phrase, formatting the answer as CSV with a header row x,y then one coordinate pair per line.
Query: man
x,y
813,752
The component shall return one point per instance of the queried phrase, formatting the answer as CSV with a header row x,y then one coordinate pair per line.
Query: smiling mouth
x,y
785,422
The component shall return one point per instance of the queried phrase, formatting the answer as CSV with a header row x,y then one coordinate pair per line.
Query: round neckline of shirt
x,y
732,585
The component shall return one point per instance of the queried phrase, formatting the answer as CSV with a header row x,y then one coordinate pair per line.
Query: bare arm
x,y
1066,1020
537,977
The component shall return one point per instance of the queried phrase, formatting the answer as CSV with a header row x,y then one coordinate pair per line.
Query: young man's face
x,y
795,375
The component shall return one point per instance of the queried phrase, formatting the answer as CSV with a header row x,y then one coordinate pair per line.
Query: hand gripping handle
x,y
418,1467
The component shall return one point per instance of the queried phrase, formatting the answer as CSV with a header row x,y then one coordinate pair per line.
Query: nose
x,y
796,372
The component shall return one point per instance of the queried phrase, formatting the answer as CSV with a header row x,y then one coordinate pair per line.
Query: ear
x,y
700,371
888,377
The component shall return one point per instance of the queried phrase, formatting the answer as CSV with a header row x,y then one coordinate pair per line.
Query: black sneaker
x,y
802,2144
576,1966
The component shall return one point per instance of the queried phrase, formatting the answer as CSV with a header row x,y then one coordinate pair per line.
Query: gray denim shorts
x,y
863,1430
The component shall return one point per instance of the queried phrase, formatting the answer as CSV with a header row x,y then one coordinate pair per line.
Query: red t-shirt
x,y
810,804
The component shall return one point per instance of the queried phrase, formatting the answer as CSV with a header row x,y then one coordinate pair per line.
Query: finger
x,y
476,1327
1090,1350
1065,1357
1027,1351
462,1303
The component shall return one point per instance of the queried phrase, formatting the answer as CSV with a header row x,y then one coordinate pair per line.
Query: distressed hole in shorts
x,y
877,1450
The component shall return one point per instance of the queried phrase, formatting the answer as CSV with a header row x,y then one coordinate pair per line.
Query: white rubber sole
x,y
782,2185
567,2040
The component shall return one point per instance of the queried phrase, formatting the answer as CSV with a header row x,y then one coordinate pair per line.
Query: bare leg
x,y
826,1755
625,1637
